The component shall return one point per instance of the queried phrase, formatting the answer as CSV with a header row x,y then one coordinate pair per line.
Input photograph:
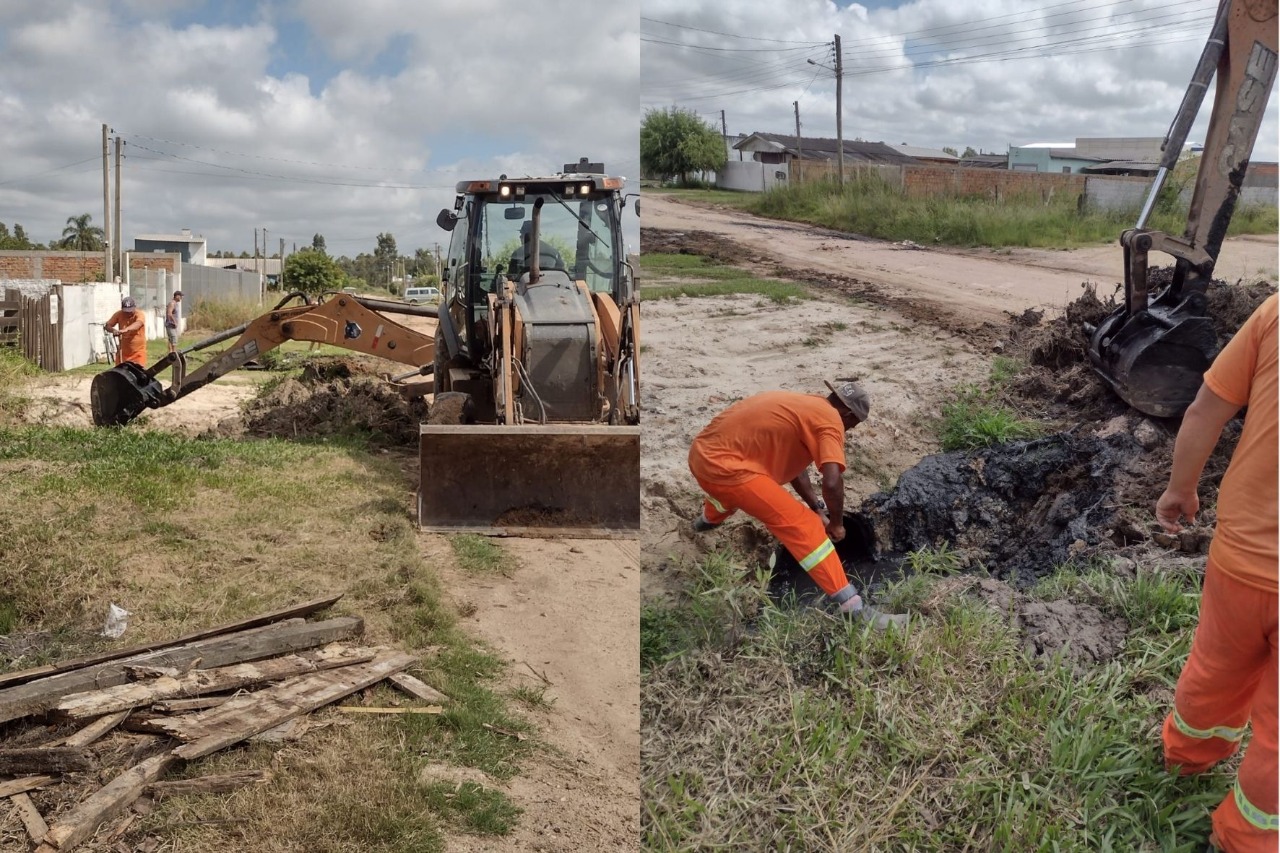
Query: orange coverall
x,y
133,341
744,456
1230,677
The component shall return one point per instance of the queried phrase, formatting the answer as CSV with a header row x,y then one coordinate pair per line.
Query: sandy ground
x,y
567,620
64,401
969,284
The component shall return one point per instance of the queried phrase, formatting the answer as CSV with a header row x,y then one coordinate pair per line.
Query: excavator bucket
x,y
120,394
1154,359
568,480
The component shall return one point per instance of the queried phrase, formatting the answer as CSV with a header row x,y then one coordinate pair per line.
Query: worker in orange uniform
x,y
742,458
129,325
1230,677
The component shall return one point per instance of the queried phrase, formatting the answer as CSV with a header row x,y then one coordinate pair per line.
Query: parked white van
x,y
422,295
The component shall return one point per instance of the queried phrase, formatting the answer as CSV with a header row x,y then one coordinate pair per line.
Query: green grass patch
x,y
219,315
808,732
480,554
474,809
934,561
667,276
973,420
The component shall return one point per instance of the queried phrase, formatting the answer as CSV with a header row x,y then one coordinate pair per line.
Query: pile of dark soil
x,y
1025,508
334,397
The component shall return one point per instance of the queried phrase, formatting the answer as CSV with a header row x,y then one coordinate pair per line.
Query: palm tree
x,y
80,234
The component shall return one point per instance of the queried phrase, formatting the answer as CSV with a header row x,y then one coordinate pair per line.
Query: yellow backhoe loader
x,y
1155,347
533,426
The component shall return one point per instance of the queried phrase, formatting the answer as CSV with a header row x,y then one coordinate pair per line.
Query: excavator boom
x,y
1154,348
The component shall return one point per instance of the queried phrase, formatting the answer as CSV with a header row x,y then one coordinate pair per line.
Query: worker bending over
x,y
742,458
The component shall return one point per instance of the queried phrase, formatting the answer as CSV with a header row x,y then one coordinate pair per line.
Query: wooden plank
x,y
220,783
274,705
30,817
419,709
37,697
124,697
178,706
291,612
417,688
44,759
9,787
95,730
81,822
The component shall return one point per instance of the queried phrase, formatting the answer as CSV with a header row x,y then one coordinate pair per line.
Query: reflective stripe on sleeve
x,y
817,555
715,503
1256,816
1225,732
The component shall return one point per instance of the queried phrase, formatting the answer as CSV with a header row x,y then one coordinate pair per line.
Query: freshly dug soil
x,y
299,409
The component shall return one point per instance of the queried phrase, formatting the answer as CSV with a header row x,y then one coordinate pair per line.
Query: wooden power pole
x,y
799,151
840,108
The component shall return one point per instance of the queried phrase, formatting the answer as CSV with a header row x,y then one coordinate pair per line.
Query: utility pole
x,y
840,107
724,128
119,244
799,152
839,72
106,211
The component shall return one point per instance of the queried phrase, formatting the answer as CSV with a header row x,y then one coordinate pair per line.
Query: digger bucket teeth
x,y
1154,360
563,480
120,394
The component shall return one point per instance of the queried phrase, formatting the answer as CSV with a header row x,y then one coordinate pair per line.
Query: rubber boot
x,y
884,621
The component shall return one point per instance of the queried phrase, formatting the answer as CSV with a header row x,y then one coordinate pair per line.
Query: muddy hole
x,y
864,564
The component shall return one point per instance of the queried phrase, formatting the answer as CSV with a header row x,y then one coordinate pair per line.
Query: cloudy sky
x,y
934,73
304,116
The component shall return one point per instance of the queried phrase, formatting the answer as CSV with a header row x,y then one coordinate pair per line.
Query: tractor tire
x,y
451,408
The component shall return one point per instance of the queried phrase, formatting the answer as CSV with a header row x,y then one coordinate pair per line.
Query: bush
x,y
218,316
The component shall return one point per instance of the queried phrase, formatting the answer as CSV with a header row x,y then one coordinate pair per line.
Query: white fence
x,y
751,176
212,284
1105,192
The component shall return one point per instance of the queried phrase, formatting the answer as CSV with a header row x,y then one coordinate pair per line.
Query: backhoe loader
x,y
533,425
1154,348
535,415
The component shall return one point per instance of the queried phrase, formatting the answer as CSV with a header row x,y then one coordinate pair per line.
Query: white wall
x,y
85,309
751,176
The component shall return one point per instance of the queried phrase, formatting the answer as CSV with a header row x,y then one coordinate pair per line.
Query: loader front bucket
x,y
564,480
120,394
1155,359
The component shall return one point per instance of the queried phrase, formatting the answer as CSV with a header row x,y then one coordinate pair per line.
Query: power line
x,y
247,174
730,35
286,159
725,49
92,159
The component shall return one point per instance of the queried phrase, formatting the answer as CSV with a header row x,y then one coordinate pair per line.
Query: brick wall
x,y
76,267
995,184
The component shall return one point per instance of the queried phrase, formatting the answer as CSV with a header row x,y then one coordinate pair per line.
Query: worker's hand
x,y
835,530
1174,505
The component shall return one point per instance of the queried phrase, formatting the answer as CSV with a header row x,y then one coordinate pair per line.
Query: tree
x,y
676,142
385,256
947,149
82,235
312,272
969,152
17,240
317,243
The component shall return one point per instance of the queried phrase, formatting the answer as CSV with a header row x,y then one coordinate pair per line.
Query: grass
x,y
807,733
190,533
15,370
973,420
218,316
480,555
873,207
668,276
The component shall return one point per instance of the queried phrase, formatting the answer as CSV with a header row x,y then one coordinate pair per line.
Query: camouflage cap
x,y
852,395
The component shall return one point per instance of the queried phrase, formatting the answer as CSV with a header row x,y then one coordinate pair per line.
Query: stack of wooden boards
x,y
190,697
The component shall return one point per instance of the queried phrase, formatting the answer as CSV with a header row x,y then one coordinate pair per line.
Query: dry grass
x,y
187,534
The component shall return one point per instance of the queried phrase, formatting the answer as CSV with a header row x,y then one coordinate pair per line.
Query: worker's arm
x,y
804,488
833,494
1201,428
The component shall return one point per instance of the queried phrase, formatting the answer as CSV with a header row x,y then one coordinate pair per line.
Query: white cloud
x,y
935,73
211,111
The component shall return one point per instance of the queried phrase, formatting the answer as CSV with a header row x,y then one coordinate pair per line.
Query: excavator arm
x,y
1154,348
119,395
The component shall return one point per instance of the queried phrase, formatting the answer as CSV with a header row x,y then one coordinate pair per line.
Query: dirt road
x,y
971,285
